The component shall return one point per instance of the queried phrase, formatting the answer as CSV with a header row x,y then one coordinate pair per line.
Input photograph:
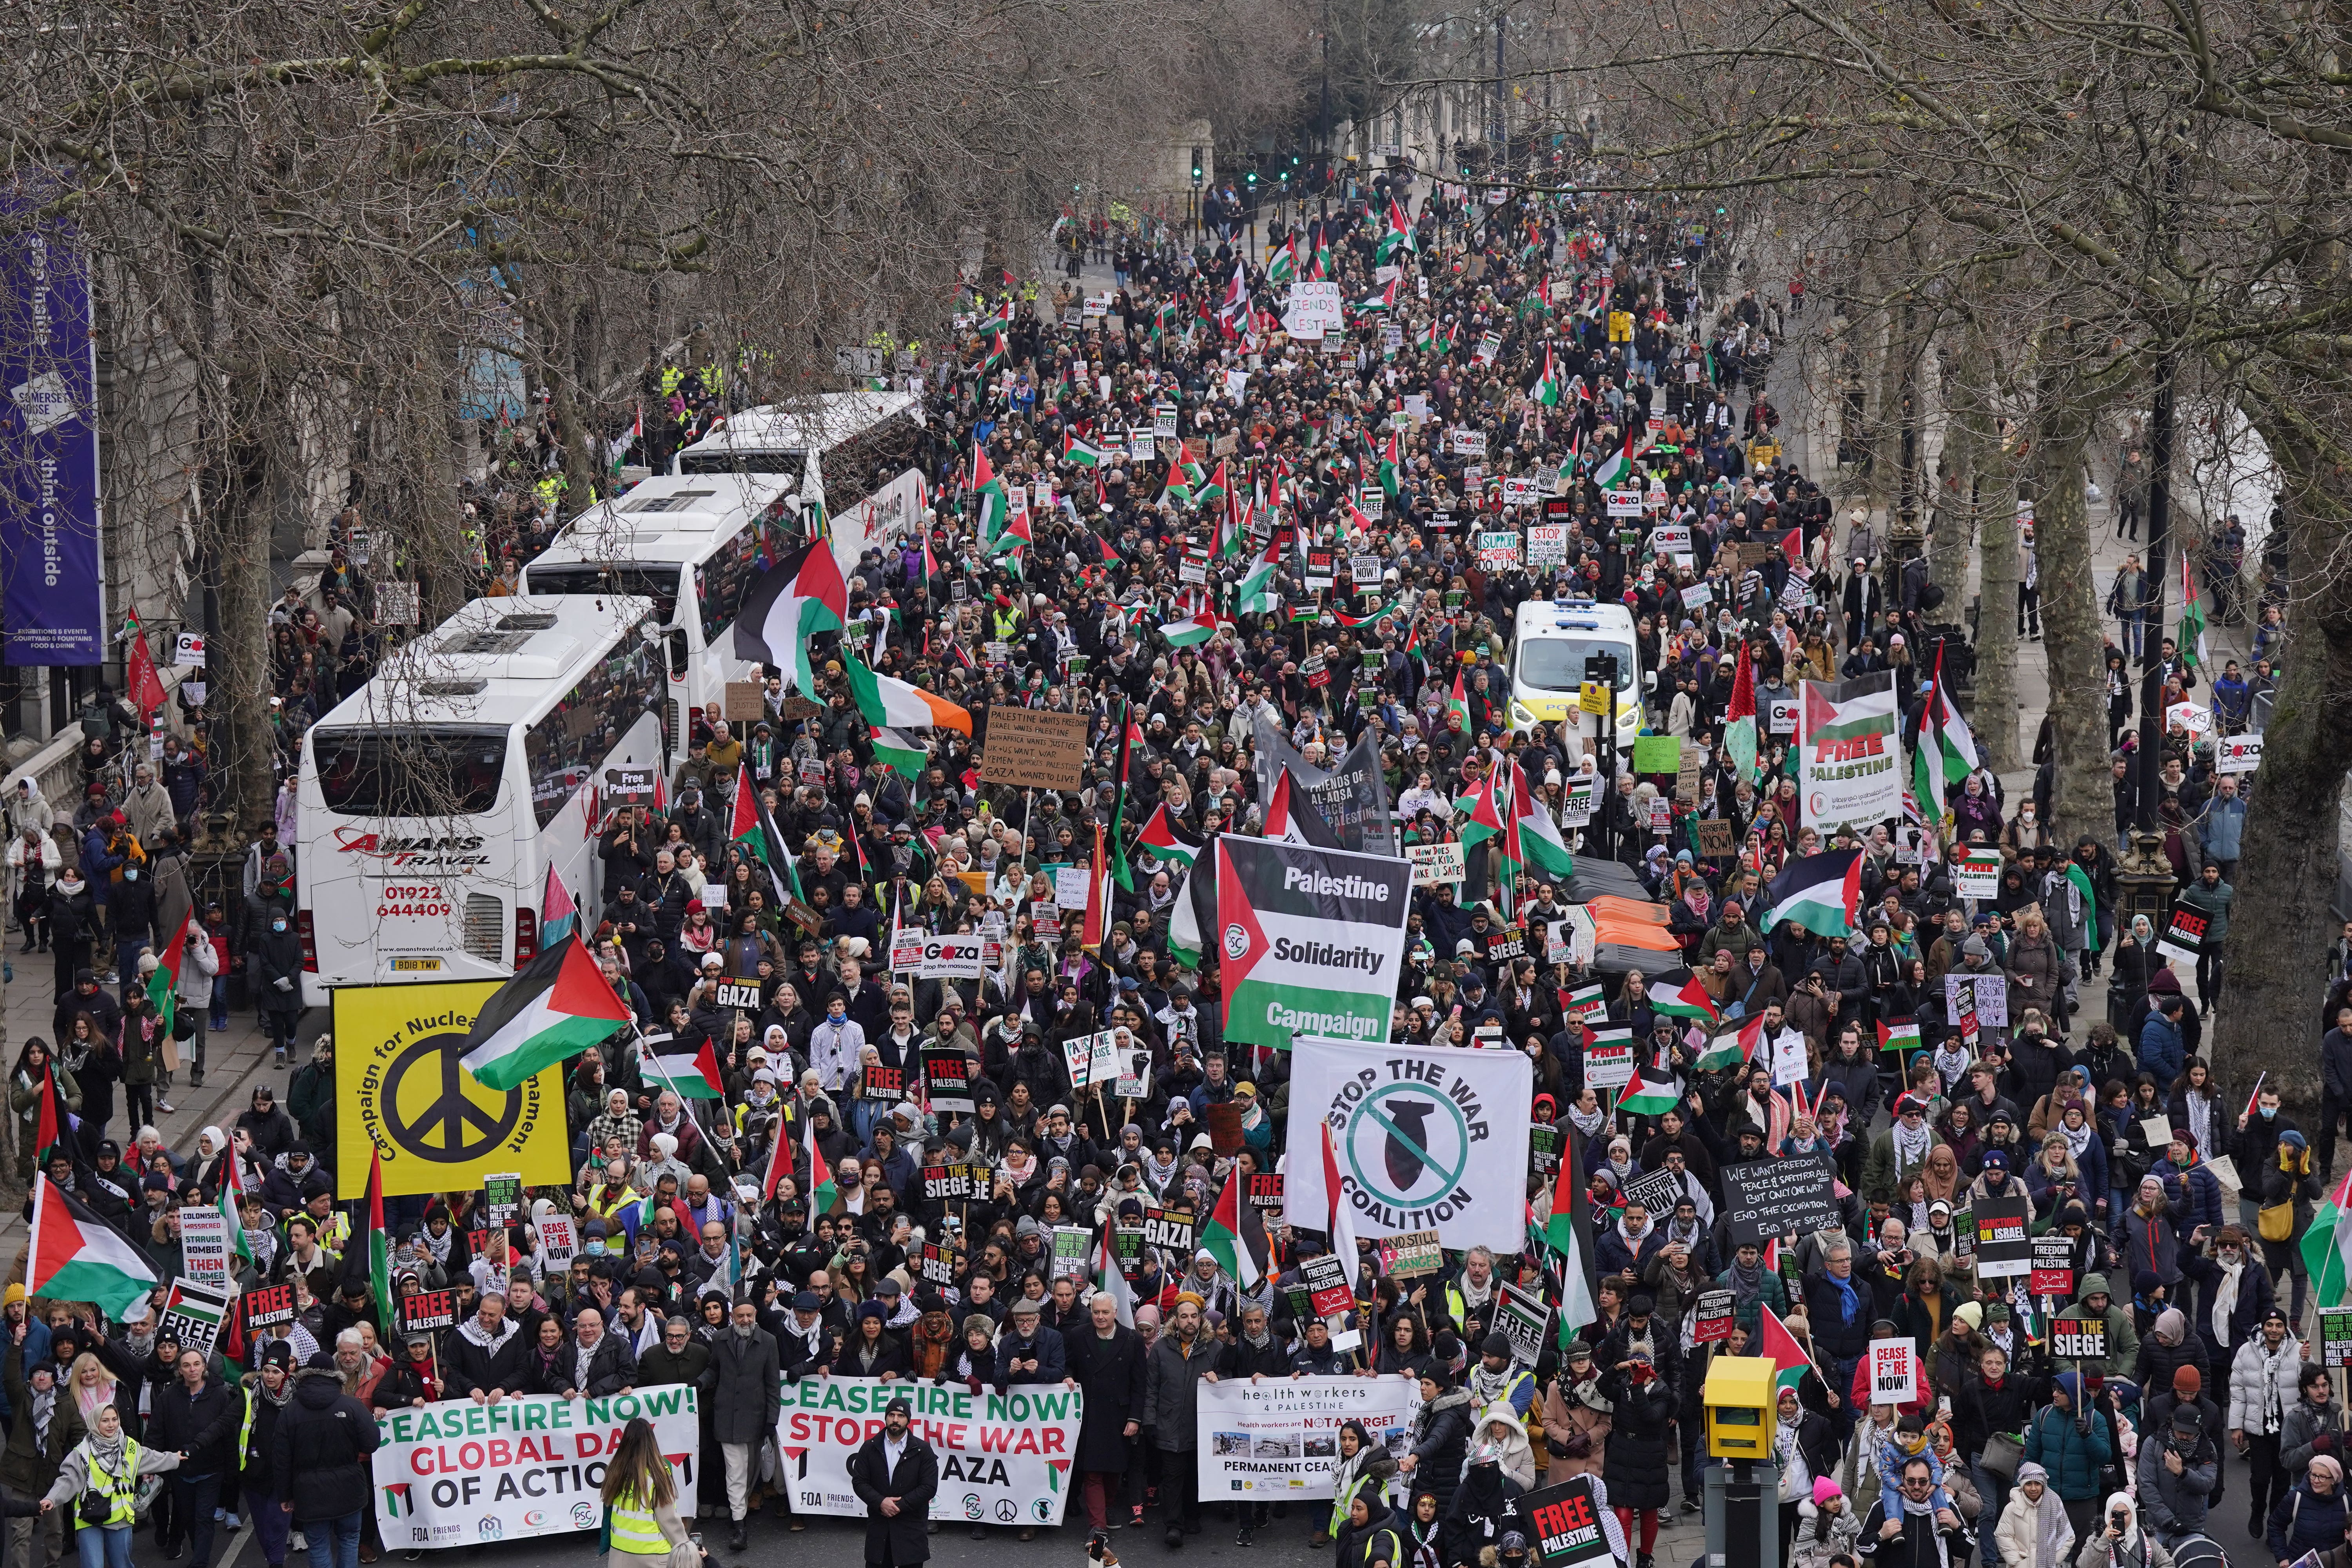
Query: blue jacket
x,y
2222,827
2160,1055
2072,1458
2304,1522
2194,1194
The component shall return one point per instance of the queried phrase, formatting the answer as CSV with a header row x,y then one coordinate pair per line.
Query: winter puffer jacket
x,y
2248,1369
2304,1522
324,1440
2074,1458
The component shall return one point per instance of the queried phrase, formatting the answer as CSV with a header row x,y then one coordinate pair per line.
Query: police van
x,y
1552,639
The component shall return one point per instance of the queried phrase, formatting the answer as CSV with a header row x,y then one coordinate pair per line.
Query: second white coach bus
x,y
435,798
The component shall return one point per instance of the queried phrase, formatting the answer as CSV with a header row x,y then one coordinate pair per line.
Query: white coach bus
x,y
434,799
853,450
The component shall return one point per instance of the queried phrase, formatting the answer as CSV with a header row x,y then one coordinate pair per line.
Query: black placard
x,y
1779,1197
2078,1339
428,1309
1170,1228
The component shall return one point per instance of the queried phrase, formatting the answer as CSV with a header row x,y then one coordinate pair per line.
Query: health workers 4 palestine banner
x,y
1850,752
1279,1437
1004,1458
1422,1140
454,1473
1310,942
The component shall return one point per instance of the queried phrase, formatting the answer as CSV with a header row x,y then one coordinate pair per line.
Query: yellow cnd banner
x,y
400,1086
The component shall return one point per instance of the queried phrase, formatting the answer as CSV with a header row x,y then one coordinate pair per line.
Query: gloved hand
x,y
284,983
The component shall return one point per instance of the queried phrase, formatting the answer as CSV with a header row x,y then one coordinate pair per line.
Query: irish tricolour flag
x,y
1822,893
557,1006
883,701
77,1257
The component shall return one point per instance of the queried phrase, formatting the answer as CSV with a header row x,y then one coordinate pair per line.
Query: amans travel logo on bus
x,y
451,852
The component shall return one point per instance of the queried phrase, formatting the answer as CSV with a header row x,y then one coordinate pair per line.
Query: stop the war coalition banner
x,y
1311,941
1004,1459
460,1474
1279,1437
1425,1140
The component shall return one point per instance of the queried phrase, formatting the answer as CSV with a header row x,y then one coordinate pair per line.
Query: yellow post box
x,y
1740,1418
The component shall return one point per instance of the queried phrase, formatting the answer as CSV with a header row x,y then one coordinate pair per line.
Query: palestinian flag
x,y
823,1194
2080,880
1109,1281
1185,923
1733,1047
902,754
1015,535
1292,819
1651,1091
1397,238
370,1267
1390,470
1283,265
2327,1246
1223,1236
1898,1036
1546,387
1160,842
1856,709
1617,468
1213,490
163,985
1189,631
1325,267
1459,701
1086,453
884,700
693,1073
1340,1225
986,502
1371,304
2191,640
58,1128
1434,340
1778,1346
557,1006
1821,892
1539,837
1739,717
1945,752
1566,1233
1000,352
793,601
232,1208
1584,1001
74,1256
780,1158
1485,813
1678,993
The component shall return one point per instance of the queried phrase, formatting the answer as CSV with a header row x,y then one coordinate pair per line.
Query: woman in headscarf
x,y
2151,1242
1575,1418
1500,1428
99,1464
1806,1449
2116,1540
1940,1176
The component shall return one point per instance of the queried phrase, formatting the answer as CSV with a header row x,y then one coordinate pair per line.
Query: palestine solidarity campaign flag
x,y
1822,893
1850,754
557,1006
798,597
1310,941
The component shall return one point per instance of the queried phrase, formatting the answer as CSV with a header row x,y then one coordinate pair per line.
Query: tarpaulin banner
x,y
1280,1437
1310,941
1352,794
1425,1139
1004,1458
55,607
456,1473
1850,752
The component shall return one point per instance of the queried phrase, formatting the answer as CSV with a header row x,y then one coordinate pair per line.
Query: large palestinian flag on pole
x,y
557,1006
795,599
1310,942
74,1256
1822,893
1850,753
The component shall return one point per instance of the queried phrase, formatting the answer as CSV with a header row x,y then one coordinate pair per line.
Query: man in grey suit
x,y
741,1382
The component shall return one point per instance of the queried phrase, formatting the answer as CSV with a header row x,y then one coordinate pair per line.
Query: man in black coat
x,y
599,1364
318,1462
1107,1360
483,1359
745,1400
197,1415
895,1475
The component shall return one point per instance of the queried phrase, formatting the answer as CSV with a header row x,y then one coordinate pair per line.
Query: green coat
x,y
24,1100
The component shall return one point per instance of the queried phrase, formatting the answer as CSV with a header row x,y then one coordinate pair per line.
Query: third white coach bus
x,y
434,799
856,451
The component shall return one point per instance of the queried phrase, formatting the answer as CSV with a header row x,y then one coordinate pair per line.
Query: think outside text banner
x,y
55,610
456,1473
1425,1140
1004,1458
1280,1437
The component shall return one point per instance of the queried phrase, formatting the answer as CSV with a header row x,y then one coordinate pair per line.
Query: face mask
x,y
132,875
276,925
596,1247
2269,1112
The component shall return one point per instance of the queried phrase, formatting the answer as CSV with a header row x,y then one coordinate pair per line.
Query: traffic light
x,y
1196,166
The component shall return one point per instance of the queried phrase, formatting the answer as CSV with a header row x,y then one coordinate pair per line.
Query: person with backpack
x,y
2069,1442
2314,1516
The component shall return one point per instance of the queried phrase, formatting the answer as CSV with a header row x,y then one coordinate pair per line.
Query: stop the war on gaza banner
x,y
1424,1139
1280,1437
1850,752
456,1473
1004,1458
1310,942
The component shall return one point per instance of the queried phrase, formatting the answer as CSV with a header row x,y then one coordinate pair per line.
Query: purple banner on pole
x,y
54,607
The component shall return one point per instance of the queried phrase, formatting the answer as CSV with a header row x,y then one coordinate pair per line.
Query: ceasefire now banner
x,y
1425,1140
1309,941
456,1473
1004,1458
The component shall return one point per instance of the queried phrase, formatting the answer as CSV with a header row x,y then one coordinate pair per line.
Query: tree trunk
x,y
1953,514
2279,929
2069,620
1996,714
238,661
